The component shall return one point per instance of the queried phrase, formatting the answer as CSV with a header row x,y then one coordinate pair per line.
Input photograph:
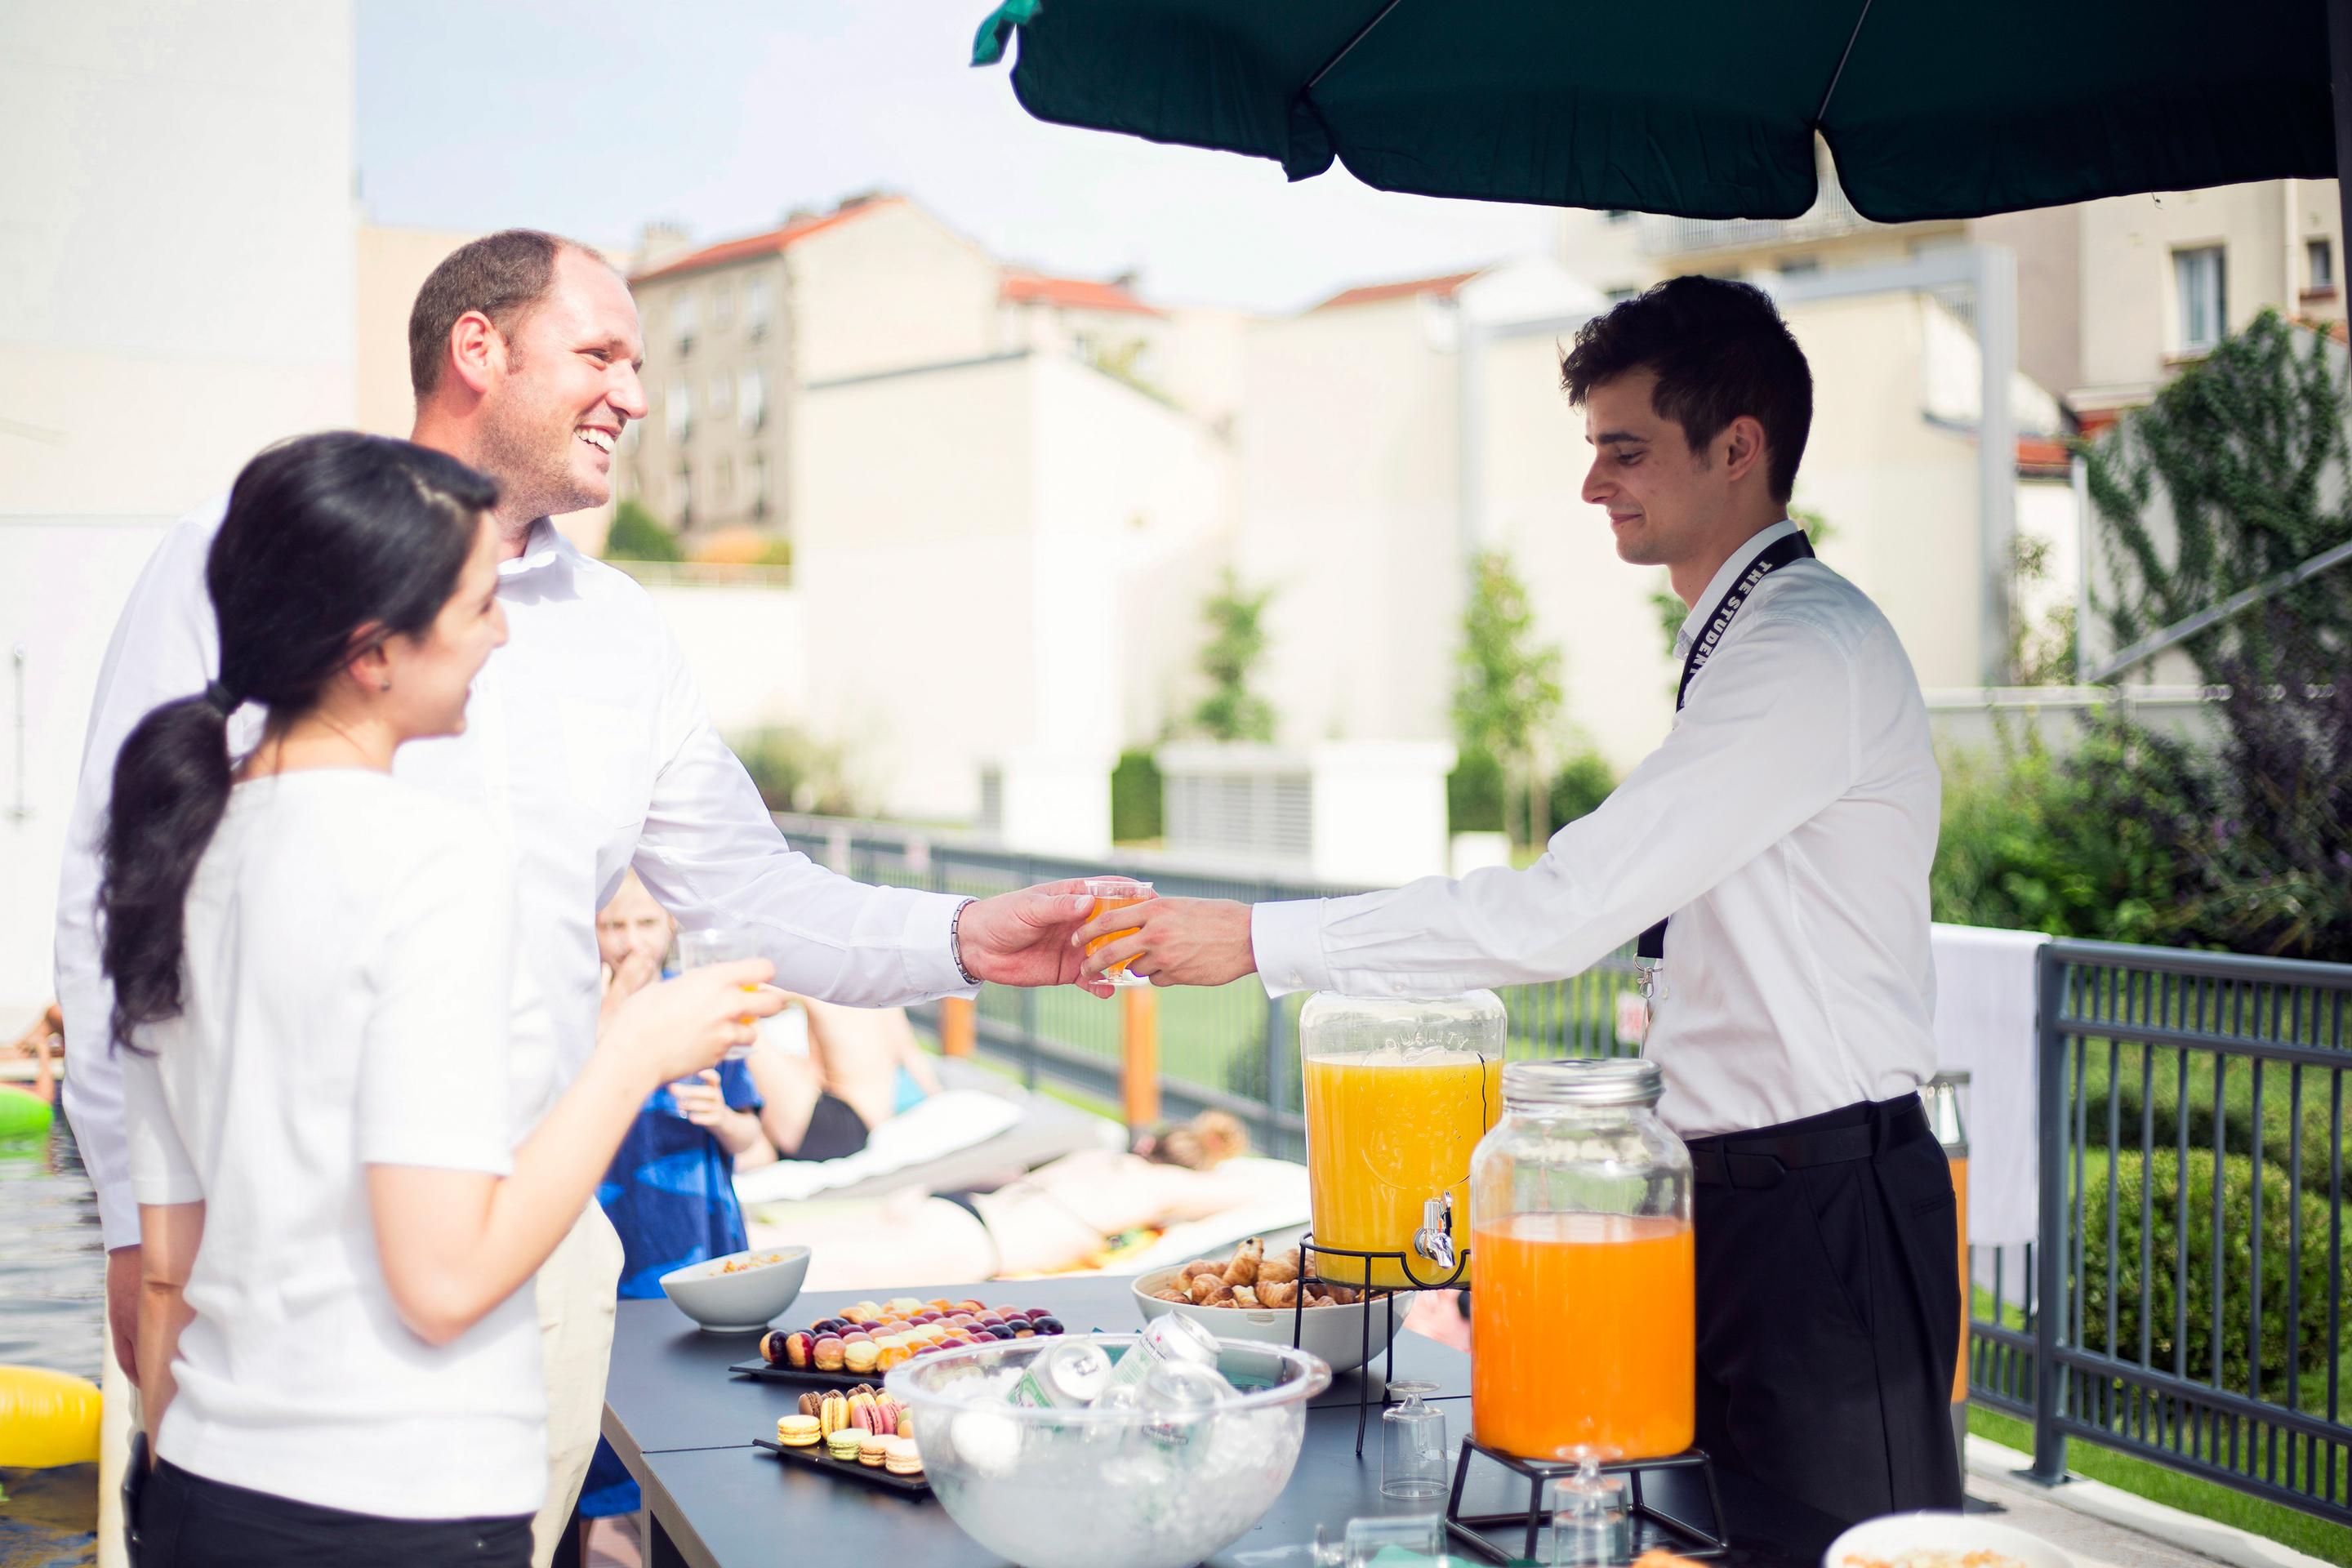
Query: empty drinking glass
x,y
1412,1445
1414,1537
1589,1525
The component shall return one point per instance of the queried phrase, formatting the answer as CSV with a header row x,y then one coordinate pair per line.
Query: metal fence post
x,y
2049,1309
1270,1131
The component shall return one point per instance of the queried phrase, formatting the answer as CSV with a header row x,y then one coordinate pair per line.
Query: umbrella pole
x,y
2339,74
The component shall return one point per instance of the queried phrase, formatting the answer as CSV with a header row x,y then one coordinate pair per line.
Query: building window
x,y
678,410
757,477
755,308
722,393
752,400
722,484
682,316
2319,257
2197,278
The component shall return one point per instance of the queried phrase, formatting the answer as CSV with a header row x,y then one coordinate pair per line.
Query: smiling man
x,y
587,741
1774,853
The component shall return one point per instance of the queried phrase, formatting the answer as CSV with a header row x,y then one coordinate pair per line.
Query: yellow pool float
x,y
47,1418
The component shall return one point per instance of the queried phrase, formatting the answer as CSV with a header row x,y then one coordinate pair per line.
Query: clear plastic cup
x,y
1116,893
719,944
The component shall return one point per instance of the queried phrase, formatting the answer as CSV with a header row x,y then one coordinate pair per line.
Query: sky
x,y
592,117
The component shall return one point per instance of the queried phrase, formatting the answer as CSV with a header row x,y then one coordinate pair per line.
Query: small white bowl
x,y
1337,1334
1886,1538
742,1291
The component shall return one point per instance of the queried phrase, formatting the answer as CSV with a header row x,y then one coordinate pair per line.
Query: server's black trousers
x,y
1829,1308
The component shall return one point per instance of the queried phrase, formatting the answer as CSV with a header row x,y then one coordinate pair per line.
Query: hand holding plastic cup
x,y
719,944
1117,893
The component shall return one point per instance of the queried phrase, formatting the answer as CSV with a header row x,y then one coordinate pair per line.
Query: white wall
x,y
1350,507
176,281
747,645
994,558
887,288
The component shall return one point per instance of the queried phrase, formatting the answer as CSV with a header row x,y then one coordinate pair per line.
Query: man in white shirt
x,y
586,738
1782,834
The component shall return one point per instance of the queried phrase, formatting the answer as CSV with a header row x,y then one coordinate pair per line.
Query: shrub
x,y
1579,786
638,535
2160,1177
2086,845
793,771
1473,794
1135,797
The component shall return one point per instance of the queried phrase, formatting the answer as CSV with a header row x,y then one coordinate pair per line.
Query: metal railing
x,y
2191,1309
2193,1154
1230,1048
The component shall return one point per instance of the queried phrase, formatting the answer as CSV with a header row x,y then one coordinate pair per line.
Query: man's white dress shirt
x,y
1786,825
588,743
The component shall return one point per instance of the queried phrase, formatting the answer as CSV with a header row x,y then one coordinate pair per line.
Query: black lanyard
x,y
1778,554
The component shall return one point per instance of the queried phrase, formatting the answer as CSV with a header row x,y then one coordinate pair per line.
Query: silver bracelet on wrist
x,y
955,942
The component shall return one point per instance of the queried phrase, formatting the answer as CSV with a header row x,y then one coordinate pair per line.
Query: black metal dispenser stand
x,y
1678,1535
1311,1272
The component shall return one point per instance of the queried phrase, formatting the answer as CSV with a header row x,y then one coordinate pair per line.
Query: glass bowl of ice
x,y
1149,1450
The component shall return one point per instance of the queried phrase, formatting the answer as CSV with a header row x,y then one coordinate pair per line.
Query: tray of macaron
x,y
860,1433
869,1338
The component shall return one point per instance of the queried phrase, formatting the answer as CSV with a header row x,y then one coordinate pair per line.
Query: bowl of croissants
x,y
1256,1294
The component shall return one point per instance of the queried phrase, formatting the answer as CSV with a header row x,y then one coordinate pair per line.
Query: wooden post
x,y
1138,1019
958,1025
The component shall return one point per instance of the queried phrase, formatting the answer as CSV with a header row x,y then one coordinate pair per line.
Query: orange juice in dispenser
x,y
1397,1093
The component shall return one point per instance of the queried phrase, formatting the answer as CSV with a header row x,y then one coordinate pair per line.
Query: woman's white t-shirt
x,y
350,998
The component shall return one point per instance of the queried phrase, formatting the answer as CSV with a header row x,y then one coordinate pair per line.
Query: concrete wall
x,y
176,284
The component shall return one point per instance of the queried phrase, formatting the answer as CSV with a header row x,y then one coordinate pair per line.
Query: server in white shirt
x,y
1782,834
588,743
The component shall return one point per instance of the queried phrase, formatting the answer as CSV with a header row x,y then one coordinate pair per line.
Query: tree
x,y
638,535
2249,450
1237,646
1507,687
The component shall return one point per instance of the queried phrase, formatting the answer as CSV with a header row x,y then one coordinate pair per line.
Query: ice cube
x,y
988,1443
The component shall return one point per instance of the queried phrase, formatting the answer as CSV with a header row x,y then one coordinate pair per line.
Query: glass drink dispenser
x,y
1582,1329
1399,1091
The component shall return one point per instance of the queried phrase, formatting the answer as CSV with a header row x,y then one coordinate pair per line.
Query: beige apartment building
x,y
2113,296
739,333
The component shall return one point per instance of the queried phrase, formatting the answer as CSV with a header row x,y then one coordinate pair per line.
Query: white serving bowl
x,y
1087,1488
1895,1534
761,1284
1336,1335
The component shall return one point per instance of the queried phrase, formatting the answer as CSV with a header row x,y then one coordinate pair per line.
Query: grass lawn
x,y
2290,1527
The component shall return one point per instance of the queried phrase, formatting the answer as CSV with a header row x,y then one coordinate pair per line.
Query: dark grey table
x,y
684,1428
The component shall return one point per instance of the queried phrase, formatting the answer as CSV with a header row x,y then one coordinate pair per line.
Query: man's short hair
x,y
1720,350
503,274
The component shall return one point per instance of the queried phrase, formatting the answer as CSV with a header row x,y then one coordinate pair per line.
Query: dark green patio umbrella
x,y
1708,109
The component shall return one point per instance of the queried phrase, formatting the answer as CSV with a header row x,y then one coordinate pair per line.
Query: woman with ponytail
x,y
330,1062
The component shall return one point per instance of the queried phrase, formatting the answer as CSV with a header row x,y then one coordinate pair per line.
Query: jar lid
x,y
1603,1082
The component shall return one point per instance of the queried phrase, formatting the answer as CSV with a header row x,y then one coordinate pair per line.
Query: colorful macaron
x,y
842,1445
860,1355
798,1431
870,1449
899,1457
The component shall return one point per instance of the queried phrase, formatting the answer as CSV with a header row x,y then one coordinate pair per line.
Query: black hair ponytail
x,y
326,536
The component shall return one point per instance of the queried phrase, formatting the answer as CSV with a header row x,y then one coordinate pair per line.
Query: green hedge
x,y
1473,794
1135,799
2161,1250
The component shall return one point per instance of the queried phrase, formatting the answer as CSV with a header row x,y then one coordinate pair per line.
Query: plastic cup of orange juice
x,y
1117,893
723,945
